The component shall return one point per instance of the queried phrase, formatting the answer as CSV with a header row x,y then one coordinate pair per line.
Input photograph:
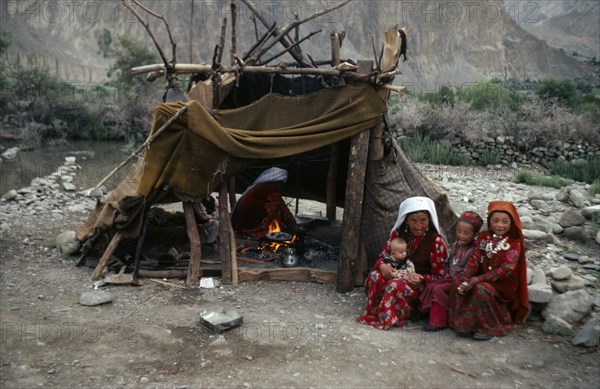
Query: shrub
x,y
587,170
562,89
595,187
489,157
487,95
531,178
421,149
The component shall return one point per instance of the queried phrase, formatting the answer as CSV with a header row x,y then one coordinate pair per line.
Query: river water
x,y
96,158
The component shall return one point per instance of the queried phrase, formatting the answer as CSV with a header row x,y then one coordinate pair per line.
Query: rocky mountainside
x,y
572,25
451,42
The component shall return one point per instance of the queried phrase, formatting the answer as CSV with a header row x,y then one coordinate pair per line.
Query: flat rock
x,y
69,187
590,212
547,226
573,283
538,235
571,306
589,335
539,293
576,198
539,277
571,256
560,273
570,218
96,297
540,205
556,325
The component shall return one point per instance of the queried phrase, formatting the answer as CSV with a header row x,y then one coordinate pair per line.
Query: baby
x,y
398,258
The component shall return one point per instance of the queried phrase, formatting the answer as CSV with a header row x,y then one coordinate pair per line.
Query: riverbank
x,y
294,334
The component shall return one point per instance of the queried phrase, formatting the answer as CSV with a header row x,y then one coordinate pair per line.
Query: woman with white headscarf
x,y
261,204
391,300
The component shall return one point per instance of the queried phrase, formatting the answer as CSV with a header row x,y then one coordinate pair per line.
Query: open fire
x,y
276,239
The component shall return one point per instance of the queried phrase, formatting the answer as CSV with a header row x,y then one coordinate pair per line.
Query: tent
x,y
329,121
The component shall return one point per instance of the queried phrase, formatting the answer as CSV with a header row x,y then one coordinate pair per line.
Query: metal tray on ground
x,y
217,320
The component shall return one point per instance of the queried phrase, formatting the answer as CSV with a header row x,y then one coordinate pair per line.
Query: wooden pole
x,y
355,187
140,244
332,171
150,139
224,234
114,242
194,273
233,30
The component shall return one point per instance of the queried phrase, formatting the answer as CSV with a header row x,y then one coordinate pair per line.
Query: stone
x,y
70,160
556,325
547,226
585,259
598,237
571,256
539,293
96,297
589,335
528,223
570,218
539,277
574,233
67,242
571,306
573,283
95,193
576,198
590,212
529,275
10,195
560,273
10,153
538,235
540,205
69,187
562,195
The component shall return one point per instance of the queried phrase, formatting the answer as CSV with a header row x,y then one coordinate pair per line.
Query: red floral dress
x,y
485,308
389,301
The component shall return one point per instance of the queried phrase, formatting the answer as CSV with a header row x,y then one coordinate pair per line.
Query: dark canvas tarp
x,y
191,156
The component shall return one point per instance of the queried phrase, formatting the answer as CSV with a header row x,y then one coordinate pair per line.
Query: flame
x,y
274,227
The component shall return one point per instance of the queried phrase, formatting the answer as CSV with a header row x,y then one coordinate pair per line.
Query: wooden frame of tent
x,y
364,146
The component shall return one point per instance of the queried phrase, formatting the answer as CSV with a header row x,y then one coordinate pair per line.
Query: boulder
x,y
69,187
539,277
540,204
570,218
573,283
539,293
528,223
547,226
10,195
562,195
571,306
538,235
590,212
529,275
576,198
556,325
67,242
574,233
598,237
560,273
589,335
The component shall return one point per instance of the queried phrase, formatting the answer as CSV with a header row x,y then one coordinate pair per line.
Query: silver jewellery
x,y
501,245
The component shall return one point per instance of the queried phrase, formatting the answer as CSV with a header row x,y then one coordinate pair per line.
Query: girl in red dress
x,y
390,300
491,293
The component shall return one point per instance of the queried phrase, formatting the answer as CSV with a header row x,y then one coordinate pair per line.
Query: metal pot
x,y
290,257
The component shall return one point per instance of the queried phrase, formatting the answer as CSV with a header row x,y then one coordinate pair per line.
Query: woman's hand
x,y
414,279
387,271
466,286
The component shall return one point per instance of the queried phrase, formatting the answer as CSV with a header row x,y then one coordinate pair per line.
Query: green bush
x,y
595,187
531,178
489,157
488,95
561,89
586,170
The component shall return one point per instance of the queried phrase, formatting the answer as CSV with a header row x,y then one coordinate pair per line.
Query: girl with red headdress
x,y
491,293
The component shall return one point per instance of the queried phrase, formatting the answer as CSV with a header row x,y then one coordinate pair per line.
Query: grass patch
x,y
420,148
531,178
595,187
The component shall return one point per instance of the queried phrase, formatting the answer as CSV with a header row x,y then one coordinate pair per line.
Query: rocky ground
x,y
294,334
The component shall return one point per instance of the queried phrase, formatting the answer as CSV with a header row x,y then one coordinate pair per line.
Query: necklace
x,y
502,244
